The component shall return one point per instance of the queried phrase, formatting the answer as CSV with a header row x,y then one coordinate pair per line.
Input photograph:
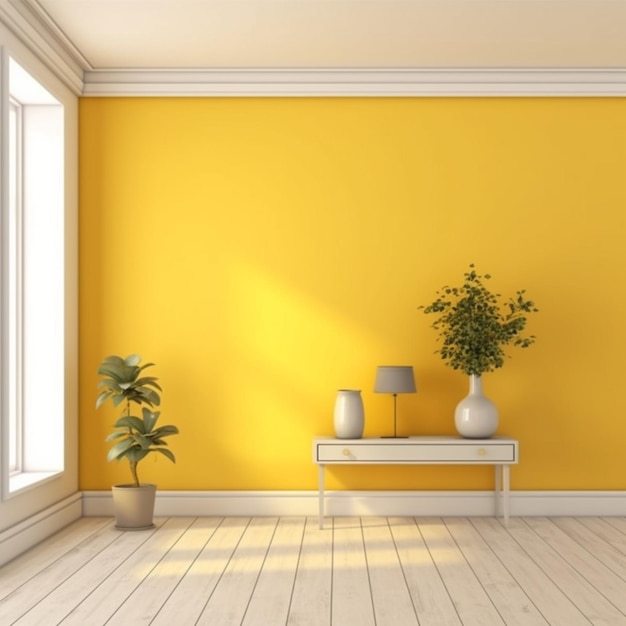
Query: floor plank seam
x,y
220,577
191,564
402,569
476,576
547,548
298,561
441,578
514,577
367,567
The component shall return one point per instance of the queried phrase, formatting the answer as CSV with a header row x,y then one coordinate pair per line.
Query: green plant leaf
x,y
102,398
137,454
148,380
117,400
143,441
120,450
166,431
132,360
149,419
116,434
130,421
149,396
167,453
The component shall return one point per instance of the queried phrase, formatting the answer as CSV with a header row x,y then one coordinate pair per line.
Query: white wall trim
x,y
365,82
23,536
385,503
26,534
28,22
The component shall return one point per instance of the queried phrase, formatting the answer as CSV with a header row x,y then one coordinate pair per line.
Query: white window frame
x,y
33,287
14,313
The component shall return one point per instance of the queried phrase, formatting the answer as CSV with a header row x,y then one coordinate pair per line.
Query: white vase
x,y
349,417
476,416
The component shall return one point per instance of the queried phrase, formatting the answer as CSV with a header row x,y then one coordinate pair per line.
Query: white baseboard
x,y
26,534
384,503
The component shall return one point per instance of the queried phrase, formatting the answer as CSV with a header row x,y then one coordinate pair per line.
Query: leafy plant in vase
x,y
475,325
123,383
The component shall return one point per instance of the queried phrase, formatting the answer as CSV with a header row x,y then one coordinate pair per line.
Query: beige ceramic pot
x,y
134,506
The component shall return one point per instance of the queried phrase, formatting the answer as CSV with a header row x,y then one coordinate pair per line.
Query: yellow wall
x,y
266,252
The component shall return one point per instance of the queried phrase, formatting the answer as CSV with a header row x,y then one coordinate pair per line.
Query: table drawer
x,y
380,452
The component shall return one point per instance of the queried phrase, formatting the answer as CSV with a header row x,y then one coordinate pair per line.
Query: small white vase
x,y
476,416
349,416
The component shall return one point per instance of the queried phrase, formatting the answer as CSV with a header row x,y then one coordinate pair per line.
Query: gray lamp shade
x,y
395,379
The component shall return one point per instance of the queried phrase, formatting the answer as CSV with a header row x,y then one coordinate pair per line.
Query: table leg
x,y
498,488
505,492
321,495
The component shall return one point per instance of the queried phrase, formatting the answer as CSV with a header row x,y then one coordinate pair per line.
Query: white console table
x,y
501,452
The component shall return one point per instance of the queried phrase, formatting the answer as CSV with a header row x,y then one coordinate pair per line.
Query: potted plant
x,y
123,383
475,325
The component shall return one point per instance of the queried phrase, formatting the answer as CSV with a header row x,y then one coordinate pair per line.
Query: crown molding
x,y
36,30
29,22
361,82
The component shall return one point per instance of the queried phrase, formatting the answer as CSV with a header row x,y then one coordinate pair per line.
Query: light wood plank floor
x,y
366,571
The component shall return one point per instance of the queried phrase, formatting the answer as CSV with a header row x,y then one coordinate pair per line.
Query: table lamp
x,y
395,379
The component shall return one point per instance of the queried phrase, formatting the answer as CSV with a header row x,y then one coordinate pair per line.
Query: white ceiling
x,y
333,34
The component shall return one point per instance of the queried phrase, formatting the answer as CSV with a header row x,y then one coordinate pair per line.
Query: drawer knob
x,y
346,452
482,452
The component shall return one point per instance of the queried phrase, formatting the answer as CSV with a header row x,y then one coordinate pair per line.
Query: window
x,y
14,297
33,285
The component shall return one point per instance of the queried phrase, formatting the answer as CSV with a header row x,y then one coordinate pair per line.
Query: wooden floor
x,y
356,572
